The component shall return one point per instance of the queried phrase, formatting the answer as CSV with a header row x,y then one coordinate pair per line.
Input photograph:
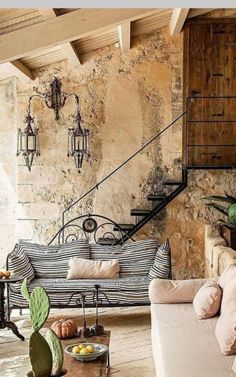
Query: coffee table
x,y
97,368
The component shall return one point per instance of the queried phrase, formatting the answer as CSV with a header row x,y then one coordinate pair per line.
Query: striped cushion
x,y
135,258
162,264
129,290
52,261
19,263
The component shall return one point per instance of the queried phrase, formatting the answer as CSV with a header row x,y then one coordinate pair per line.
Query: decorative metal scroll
x,y
92,226
90,298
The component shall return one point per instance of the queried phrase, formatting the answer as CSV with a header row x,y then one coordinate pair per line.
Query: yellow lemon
x,y
90,349
76,349
84,351
81,346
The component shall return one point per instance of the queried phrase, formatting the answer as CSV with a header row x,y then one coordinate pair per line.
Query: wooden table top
x,y
96,368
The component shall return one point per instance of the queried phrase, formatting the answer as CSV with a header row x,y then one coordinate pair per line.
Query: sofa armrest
x,y
163,291
223,256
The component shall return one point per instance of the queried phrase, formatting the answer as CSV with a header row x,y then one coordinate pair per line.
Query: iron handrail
x,y
121,165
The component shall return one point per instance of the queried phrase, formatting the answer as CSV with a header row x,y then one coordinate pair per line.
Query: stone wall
x,y
8,192
125,100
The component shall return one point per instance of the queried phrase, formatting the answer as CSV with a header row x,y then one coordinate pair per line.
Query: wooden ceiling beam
x,y
68,48
47,13
66,28
194,12
124,36
178,19
16,68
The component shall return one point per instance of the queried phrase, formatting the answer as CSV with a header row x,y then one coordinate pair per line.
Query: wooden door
x,y
209,91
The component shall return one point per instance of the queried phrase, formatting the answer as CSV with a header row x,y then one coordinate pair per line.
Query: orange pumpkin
x,y
64,328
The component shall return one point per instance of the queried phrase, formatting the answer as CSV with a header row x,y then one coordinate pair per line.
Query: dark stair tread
x,y
140,212
172,183
123,227
154,197
107,241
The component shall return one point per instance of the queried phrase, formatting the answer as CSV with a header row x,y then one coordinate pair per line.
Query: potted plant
x,y
229,210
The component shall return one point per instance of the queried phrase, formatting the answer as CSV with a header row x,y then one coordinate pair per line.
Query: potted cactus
x,y
228,226
46,354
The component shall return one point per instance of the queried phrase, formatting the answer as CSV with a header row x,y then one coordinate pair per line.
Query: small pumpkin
x,y
64,328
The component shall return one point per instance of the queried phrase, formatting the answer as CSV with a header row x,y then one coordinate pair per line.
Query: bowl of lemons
x,y
86,351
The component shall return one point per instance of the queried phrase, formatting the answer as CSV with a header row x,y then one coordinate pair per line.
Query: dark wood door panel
x,y
200,42
211,156
212,133
211,109
210,71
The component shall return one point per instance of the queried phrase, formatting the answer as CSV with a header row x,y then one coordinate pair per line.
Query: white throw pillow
x,y
80,268
207,300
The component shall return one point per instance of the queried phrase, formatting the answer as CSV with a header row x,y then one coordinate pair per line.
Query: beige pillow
x,y
164,291
80,268
227,275
226,330
207,301
229,295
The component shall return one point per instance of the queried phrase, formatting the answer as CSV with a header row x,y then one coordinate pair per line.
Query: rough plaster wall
x,y
8,197
125,100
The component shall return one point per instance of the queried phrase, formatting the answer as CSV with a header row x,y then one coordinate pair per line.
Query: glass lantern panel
x,y
31,142
24,141
78,143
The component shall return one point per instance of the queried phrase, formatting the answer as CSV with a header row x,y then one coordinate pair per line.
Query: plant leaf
x,y
24,290
226,199
229,225
231,197
39,307
218,207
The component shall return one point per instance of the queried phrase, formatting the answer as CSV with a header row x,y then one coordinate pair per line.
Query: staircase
x,y
144,215
119,232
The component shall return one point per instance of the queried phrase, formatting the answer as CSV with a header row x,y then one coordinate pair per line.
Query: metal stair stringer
x,y
157,208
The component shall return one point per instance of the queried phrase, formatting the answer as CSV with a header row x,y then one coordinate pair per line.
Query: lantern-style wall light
x,y
28,141
78,138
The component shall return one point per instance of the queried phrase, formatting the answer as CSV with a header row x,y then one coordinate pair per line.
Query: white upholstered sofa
x,y
217,254
184,346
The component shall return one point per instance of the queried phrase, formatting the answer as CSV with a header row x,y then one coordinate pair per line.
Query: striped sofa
x,y
47,266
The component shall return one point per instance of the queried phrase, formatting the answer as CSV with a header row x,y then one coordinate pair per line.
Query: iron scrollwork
x,y
92,226
94,296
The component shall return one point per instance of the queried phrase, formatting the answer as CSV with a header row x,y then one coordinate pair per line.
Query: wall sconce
x,y
28,141
78,138
55,99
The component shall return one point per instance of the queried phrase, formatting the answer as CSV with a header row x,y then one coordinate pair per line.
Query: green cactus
x,y
40,356
39,307
24,290
57,353
46,356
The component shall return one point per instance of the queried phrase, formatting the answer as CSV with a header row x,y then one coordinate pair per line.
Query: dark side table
x,y
3,322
